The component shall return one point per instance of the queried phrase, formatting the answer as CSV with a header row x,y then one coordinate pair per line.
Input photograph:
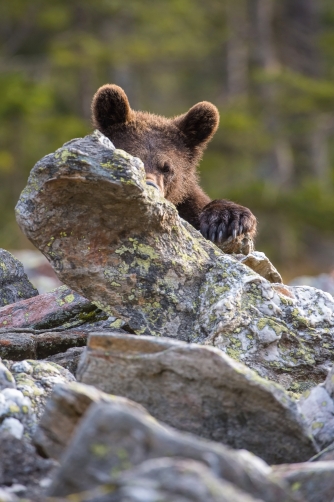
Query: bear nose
x,y
152,184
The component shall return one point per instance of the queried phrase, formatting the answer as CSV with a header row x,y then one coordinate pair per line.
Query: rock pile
x,y
129,253
191,382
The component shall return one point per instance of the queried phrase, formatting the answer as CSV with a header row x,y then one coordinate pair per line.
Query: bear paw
x,y
221,219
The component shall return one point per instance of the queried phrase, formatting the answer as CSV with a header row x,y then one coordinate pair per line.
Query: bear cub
x,y
171,150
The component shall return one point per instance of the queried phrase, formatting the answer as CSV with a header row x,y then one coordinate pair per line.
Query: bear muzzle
x,y
153,181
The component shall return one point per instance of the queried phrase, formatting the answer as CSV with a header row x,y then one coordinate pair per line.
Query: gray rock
x,y
61,307
313,482
14,283
63,411
16,406
170,480
22,470
26,345
6,496
12,426
6,378
199,390
325,454
36,379
317,407
114,240
29,384
258,262
329,383
69,359
113,437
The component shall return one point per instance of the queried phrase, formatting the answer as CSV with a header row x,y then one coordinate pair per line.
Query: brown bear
x,y
171,150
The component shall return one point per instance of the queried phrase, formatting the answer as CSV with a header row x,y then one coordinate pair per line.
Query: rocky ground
x,y
165,369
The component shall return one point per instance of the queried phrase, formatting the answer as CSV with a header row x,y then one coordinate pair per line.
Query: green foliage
x,y
168,56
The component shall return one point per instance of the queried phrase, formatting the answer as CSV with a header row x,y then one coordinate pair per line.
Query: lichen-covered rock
x,y
28,329
14,283
114,240
60,307
200,390
25,386
172,480
36,379
17,416
62,413
7,380
114,437
317,407
313,482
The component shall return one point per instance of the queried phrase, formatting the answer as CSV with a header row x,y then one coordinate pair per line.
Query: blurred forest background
x,y
267,64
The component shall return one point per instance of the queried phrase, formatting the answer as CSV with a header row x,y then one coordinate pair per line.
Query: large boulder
x,y
117,242
14,283
116,436
199,390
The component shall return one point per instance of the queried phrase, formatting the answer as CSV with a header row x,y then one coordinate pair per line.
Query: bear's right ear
x,y
199,124
110,106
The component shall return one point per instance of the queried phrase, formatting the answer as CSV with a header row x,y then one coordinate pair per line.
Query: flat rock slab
x,y
20,346
44,325
114,437
199,390
14,283
115,241
60,307
313,482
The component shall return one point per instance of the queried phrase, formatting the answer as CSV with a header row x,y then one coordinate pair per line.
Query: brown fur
x,y
171,150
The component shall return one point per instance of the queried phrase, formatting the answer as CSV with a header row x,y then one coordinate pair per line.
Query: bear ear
x,y
110,106
199,124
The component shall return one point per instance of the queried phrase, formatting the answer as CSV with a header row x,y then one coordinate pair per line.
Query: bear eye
x,y
166,168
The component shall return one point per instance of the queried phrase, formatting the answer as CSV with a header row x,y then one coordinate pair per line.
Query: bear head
x,y
170,148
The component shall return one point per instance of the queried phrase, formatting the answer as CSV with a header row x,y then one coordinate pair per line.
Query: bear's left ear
x,y
199,124
110,106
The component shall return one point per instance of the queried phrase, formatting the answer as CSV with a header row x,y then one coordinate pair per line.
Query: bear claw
x,y
221,219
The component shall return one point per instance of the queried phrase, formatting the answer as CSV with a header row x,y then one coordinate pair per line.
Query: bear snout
x,y
155,182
